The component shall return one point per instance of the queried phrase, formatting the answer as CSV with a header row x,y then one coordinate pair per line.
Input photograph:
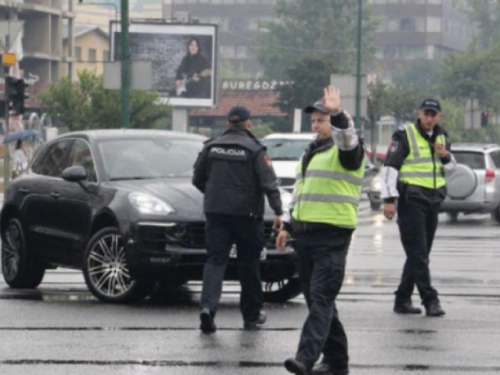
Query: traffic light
x,y
17,95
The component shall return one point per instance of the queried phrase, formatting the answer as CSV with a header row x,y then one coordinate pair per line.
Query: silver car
x,y
475,186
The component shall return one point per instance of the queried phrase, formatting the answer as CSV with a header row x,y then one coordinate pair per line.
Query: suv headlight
x,y
147,204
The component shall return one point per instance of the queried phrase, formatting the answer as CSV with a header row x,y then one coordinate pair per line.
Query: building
x,y
257,95
43,58
91,49
411,29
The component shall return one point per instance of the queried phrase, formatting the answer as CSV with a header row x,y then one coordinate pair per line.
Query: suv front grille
x,y
189,235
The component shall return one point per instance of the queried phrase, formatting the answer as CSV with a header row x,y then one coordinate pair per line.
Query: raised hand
x,y
331,99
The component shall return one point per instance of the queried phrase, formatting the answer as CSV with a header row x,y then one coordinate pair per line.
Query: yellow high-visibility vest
x,y
328,193
420,168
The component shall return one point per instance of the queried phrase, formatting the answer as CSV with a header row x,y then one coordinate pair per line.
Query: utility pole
x,y
125,64
358,67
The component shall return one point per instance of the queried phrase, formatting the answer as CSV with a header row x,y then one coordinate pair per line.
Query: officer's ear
x,y
248,124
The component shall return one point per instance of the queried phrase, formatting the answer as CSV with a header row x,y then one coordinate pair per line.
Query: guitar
x,y
181,89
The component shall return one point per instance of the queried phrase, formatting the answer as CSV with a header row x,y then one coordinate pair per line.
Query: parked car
x,y
475,186
119,205
374,192
285,151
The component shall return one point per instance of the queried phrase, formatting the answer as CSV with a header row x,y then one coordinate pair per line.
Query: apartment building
x,y
410,29
43,56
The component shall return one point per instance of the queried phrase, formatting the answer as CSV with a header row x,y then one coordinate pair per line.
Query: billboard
x,y
183,56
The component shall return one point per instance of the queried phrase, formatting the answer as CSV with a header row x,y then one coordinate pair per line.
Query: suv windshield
x,y
149,158
286,149
474,160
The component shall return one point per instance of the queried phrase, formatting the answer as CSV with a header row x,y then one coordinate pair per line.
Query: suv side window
x,y
474,160
495,156
54,160
81,156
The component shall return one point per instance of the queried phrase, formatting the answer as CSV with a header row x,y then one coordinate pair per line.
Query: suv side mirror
x,y
74,174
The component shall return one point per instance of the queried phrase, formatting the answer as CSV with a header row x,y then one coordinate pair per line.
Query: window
x,y
81,156
78,53
474,160
92,54
54,160
495,156
241,52
407,24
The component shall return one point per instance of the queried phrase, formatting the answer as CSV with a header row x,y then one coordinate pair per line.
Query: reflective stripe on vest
x,y
329,193
419,168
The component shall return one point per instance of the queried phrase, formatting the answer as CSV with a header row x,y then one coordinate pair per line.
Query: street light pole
x,y
358,67
125,64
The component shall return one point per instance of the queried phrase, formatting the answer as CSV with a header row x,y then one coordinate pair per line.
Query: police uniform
x,y
414,175
234,173
324,214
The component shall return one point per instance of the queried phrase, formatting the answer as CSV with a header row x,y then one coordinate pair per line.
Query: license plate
x,y
233,254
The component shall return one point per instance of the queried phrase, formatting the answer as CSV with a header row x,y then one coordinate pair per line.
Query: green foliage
x,y
326,29
418,75
260,129
474,74
86,105
485,14
309,76
453,120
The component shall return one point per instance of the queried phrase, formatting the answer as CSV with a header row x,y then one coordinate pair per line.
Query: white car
x,y
285,150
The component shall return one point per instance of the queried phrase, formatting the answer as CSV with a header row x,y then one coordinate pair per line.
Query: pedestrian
x,y
324,215
414,185
19,158
234,172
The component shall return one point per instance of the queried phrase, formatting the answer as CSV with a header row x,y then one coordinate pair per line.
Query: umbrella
x,y
20,135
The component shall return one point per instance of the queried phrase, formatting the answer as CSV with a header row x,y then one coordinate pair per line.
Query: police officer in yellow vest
x,y
413,183
324,214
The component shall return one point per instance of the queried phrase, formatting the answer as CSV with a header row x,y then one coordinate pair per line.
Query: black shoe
x,y
207,321
406,308
296,367
434,309
257,323
324,368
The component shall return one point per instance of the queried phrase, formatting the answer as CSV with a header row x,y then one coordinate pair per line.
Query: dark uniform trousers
x,y
417,225
248,234
322,259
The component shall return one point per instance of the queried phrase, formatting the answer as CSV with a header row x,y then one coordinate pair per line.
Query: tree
x,y
419,75
326,29
87,105
308,76
474,74
485,14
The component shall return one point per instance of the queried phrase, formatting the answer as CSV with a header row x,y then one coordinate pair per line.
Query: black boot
x,y
406,308
257,323
434,309
207,321
296,367
324,368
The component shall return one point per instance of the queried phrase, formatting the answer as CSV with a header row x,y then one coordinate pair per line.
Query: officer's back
x,y
233,171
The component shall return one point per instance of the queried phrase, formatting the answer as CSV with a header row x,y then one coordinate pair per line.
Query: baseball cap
x,y
317,106
238,114
430,105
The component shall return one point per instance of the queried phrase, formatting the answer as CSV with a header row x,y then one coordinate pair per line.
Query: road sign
x,y
9,59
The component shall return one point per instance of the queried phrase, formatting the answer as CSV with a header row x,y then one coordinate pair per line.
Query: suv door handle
x,y
55,195
24,190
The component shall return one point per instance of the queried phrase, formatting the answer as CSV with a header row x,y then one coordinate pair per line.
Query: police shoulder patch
x,y
228,153
393,146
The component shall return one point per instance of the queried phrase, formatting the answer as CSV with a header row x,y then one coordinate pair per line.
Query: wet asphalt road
x,y
61,329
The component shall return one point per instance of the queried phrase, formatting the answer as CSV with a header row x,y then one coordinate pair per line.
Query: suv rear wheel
x,y
20,267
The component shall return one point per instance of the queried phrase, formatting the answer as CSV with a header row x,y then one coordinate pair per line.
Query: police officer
x,y
413,177
324,215
234,173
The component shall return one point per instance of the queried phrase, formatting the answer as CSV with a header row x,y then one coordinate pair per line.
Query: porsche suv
x,y
119,205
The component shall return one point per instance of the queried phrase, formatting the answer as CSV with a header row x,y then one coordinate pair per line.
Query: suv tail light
x,y
490,175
